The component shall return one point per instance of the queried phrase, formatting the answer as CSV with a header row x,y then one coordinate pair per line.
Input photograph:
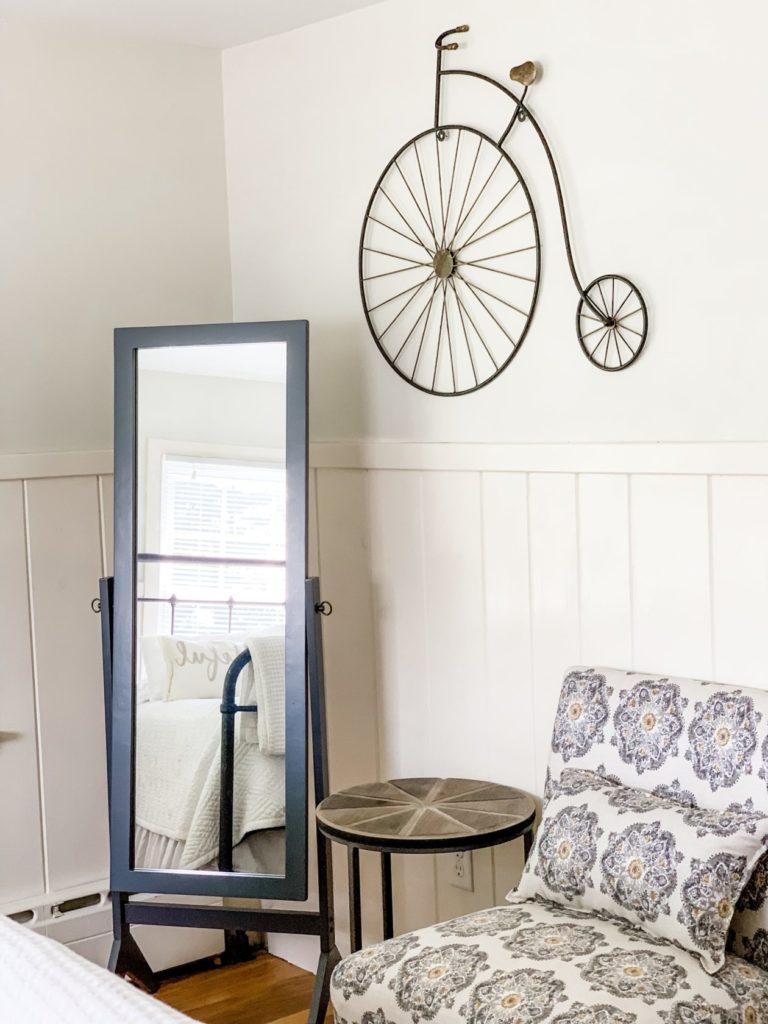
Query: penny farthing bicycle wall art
x,y
450,256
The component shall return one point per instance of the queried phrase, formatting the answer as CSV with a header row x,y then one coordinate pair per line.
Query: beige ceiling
x,y
214,23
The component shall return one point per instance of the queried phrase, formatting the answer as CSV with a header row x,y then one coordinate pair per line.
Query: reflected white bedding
x,y
43,982
178,773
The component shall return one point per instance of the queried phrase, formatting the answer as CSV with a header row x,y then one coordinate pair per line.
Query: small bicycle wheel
x,y
613,326
449,261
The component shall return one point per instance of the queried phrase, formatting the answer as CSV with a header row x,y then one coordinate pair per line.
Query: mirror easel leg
x,y
125,958
321,991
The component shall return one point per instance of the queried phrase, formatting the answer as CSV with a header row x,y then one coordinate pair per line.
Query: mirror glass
x,y
210,584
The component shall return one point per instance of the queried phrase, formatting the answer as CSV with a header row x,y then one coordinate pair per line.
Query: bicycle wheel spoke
x,y
396,231
616,345
476,201
626,327
392,298
440,184
400,270
589,316
489,215
469,183
494,230
424,331
418,206
602,327
473,285
600,342
450,187
495,270
406,222
496,256
638,310
427,306
394,255
407,304
439,337
495,319
624,302
605,304
613,295
464,330
424,190
476,330
448,333
618,330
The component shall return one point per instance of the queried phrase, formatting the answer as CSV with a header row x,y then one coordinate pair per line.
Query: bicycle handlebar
x,y
440,45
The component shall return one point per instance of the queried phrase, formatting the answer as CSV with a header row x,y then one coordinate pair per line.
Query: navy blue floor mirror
x,y
212,641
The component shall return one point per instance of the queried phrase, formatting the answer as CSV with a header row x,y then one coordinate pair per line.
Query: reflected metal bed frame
x,y
229,707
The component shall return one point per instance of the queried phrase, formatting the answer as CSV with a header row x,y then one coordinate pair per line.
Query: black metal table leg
x,y
355,917
386,895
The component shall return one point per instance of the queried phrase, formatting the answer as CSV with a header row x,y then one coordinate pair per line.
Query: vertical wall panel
x,y
671,574
508,695
344,560
65,565
107,496
740,579
21,848
604,587
554,599
397,582
453,582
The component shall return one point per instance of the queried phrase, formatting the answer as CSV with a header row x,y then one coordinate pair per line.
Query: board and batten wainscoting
x,y
464,579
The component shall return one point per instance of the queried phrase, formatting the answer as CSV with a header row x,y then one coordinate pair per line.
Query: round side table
x,y
419,816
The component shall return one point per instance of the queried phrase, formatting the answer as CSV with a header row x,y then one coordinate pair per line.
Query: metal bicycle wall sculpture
x,y
449,225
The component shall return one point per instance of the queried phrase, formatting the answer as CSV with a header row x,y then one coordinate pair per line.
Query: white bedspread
x,y
265,686
43,982
178,773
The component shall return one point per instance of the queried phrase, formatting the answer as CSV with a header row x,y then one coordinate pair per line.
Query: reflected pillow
x,y
179,668
674,871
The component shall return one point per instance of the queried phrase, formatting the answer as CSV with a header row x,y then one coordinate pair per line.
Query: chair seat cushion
x,y
534,961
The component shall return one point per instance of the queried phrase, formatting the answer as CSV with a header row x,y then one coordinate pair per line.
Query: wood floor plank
x,y
265,991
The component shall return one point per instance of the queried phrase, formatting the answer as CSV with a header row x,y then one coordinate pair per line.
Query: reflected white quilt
x,y
178,773
43,982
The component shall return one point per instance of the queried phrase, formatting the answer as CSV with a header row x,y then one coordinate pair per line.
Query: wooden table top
x,y
426,815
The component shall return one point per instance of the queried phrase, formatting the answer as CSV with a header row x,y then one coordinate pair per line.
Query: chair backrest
x,y
703,744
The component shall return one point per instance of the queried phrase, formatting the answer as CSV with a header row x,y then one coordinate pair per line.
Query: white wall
x,y
466,571
653,112
112,213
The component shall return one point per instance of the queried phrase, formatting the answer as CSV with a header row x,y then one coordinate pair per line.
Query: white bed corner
x,y
43,982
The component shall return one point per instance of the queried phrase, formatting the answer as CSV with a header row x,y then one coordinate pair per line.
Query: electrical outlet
x,y
462,871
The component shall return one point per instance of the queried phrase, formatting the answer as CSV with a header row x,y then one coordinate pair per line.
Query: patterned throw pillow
x,y
677,875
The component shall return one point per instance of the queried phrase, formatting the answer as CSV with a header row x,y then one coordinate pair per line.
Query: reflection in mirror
x,y
210,583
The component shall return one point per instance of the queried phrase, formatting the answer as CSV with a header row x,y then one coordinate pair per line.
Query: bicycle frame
x,y
520,113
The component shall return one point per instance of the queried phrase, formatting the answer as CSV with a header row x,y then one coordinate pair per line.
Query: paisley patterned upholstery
x,y
539,962
702,744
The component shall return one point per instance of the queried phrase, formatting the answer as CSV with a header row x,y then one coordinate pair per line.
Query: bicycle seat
x,y
525,73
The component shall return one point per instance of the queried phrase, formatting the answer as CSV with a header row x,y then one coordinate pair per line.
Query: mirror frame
x,y
123,876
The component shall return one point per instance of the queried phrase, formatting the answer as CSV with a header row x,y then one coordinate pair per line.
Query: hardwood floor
x,y
265,991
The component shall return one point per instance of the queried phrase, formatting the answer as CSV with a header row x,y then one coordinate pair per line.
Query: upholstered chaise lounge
x,y
689,747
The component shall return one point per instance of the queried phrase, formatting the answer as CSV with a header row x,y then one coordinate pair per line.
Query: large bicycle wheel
x,y
449,261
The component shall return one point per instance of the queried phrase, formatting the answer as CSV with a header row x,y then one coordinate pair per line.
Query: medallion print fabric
x,y
581,714
602,976
647,724
722,738
715,763
645,863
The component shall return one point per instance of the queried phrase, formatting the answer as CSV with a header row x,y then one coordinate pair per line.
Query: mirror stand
x,y
126,957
